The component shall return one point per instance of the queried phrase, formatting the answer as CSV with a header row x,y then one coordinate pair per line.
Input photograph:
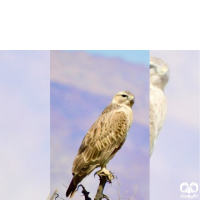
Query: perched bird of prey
x,y
103,140
159,76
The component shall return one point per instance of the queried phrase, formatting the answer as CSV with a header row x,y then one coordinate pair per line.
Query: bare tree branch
x,y
85,192
99,194
103,178
54,194
123,197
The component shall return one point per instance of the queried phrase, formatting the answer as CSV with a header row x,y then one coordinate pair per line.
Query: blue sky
x,y
135,56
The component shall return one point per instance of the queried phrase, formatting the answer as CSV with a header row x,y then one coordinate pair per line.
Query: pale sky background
x,y
24,125
176,155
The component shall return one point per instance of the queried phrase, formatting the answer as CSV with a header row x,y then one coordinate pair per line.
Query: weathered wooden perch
x,y
54,194
99,195
103,178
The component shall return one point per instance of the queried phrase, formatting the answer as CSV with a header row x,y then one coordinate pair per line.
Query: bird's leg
x,y
106,173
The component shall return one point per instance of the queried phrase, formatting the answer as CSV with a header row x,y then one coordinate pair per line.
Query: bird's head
x,y
159,72
125,98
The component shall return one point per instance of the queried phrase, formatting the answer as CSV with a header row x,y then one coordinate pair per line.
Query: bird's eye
x,y
151,66
123,95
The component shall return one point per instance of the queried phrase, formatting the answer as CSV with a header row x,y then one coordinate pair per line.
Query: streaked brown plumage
x,y
104,138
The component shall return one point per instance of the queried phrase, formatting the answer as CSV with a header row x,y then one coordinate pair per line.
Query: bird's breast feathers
x,y
158,106
104,138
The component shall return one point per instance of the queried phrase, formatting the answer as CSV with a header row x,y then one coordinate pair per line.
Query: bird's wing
x,y
102,141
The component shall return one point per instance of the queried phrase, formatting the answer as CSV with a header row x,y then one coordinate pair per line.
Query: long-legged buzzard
x,y
103,140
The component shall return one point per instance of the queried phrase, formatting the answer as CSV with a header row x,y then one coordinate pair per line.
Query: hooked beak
x,y
164,70
132,99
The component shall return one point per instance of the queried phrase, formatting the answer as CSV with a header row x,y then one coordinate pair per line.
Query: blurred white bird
x,y
159,76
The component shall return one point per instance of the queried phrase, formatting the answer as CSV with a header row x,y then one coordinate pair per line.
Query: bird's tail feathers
x,y
71,189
